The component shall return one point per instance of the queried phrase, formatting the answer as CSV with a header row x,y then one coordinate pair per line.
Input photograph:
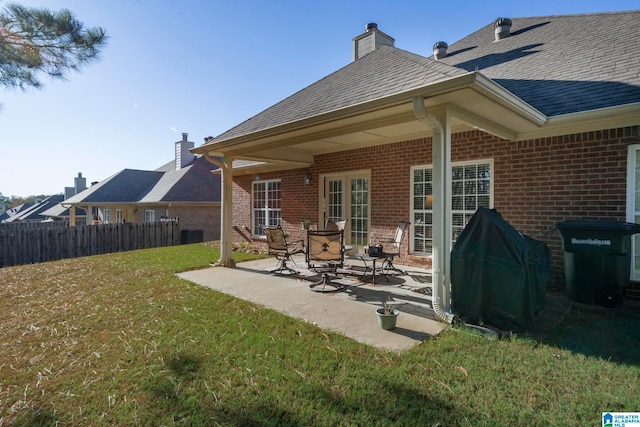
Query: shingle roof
x,y
35,212
560,64
128,186
193,183
381,73
14,211
557,64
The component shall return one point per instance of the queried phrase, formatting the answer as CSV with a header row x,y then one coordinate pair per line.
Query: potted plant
x,y
306,224
388,315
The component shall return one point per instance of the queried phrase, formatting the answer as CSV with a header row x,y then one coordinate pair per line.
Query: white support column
x,y
226,208
72,215
226,226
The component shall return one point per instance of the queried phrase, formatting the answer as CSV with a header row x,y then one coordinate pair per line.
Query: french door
x,y
346,196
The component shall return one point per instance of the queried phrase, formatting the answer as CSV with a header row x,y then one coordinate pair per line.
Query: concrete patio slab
x,y
350,312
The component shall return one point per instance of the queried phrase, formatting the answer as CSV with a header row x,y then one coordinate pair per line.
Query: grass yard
x,y
119,340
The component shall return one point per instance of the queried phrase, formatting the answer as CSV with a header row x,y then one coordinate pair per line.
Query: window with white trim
x,y
149,215
471,188
119,216
266,207
106,216
633,204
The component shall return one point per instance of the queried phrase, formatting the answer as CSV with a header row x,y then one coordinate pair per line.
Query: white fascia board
x,y
493,90
588,121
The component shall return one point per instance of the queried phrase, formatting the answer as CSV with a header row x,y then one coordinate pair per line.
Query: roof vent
x,y
371,26
502,28
440,50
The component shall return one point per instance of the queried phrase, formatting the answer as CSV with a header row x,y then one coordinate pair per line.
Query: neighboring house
x,y
11,212
536,117
61,213
184,188
35,212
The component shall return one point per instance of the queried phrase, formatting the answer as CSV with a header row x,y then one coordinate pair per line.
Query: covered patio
x,y
436,110
351,312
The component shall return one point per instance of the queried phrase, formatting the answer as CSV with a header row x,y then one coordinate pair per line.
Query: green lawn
x,y
119,340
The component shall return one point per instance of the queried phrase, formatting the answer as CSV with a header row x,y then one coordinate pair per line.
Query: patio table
x,y
373,268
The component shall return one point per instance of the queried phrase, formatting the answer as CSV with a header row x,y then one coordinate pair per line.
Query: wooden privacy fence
x,y
25,225
27,246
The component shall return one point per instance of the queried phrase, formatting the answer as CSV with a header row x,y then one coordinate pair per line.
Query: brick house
x,y
536,117
184,188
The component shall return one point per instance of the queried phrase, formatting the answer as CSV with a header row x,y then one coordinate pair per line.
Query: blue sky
x,y
201,67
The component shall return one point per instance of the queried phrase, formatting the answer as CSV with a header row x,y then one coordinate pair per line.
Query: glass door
x,y
346,196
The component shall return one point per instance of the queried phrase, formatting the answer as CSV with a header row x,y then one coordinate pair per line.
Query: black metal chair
x,y
281,249
324,254
391,248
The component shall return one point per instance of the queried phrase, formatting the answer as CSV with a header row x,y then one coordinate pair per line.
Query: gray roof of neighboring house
x,y
14,211
193,183
35,211
557,64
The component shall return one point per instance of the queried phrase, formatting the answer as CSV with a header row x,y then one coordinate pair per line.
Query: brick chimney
x,y
183,155
371,40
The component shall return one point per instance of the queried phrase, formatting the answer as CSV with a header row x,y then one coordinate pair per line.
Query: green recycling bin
x,y
597,260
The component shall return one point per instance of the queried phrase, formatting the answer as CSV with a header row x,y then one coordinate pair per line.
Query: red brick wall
x,y
541,182
537,183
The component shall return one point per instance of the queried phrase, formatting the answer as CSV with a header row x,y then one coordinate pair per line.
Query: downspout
x,y
439,207
226,183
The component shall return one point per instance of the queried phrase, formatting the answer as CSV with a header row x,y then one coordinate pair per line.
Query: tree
x,y
38,41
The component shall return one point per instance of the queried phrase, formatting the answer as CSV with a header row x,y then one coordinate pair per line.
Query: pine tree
x,y
35,42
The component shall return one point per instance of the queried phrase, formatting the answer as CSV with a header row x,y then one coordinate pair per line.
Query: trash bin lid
x,y
612,226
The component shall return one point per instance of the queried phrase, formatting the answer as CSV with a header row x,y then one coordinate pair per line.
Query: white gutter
x,y
441,205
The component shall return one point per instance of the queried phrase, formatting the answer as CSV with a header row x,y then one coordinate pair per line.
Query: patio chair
x,y
325,253
391,248
281,249
337,224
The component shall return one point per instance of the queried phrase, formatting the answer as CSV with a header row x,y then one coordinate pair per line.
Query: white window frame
x,y
463,214
272,209
633,204
149,215
106,215
119,216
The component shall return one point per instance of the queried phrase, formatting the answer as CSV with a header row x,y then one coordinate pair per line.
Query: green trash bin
x,y
597,260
